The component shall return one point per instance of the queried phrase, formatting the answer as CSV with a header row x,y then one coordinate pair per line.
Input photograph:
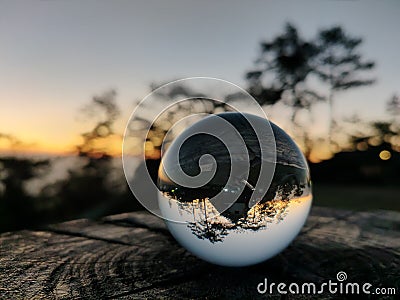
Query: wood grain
x,y
133,256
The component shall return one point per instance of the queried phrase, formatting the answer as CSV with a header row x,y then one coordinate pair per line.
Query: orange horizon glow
x,y
113,147
36,151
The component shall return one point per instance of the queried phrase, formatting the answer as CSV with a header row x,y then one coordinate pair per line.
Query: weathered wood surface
x,y
132,256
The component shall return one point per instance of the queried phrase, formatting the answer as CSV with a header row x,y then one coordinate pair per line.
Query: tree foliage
x,y
293,69
283,65
104,109
393,105
338,61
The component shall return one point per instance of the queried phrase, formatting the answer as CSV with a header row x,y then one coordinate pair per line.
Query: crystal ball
x,y
235,189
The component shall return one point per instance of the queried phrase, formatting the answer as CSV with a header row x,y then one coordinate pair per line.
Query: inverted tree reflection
x,y
207,223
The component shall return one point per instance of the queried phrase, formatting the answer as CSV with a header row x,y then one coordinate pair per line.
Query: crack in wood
x,y
86,236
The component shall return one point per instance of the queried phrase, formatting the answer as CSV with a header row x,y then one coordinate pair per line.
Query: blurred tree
x,y
374,134
282,68
18,209
95,186
286,64
98,187
339,64
105,110
393,105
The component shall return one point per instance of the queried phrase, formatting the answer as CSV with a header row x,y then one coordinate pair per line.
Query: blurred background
x,y
71,74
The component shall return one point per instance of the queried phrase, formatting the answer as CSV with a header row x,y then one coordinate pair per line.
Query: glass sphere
x,y
214,184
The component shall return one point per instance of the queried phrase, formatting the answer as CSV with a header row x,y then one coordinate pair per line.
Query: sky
x,y
55,55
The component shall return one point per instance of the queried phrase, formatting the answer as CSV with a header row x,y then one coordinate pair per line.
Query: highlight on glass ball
x,y
222,221
233,188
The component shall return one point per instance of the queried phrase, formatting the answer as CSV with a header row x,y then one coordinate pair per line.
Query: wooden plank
x,y
132,256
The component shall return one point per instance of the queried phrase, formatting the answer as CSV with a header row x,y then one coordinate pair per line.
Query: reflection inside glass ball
x,y
220,221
